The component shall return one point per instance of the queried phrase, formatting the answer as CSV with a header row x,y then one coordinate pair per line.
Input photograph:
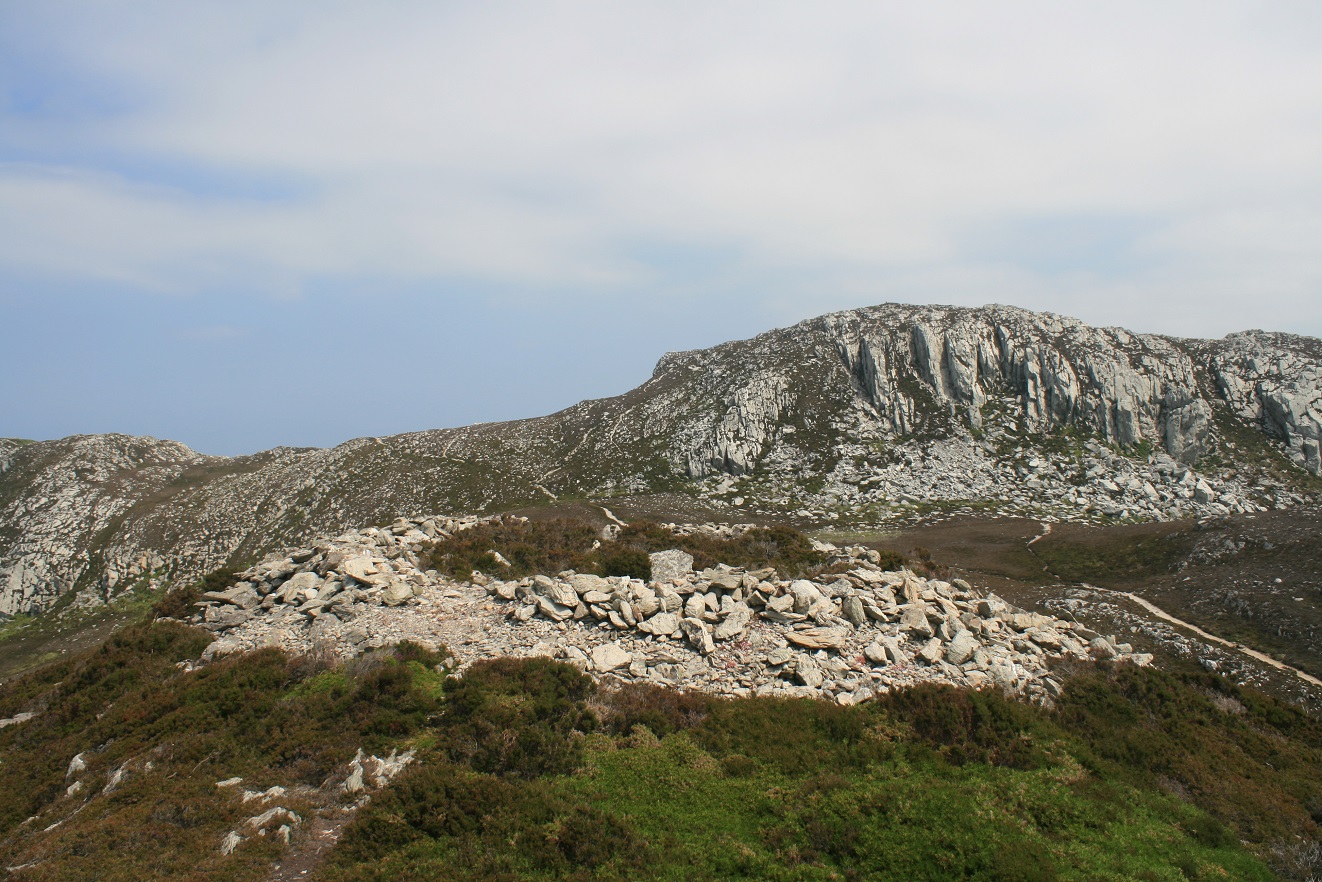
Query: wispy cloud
x,y
1094,160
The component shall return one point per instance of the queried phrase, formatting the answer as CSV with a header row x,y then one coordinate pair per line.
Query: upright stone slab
x,y
672,564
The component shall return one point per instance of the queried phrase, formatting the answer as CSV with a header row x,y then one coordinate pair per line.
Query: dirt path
x,y
1046,531
311,848
1160,613
1251,653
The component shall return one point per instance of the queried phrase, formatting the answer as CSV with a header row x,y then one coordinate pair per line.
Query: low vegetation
x,y
530,547
127,708
930,783
528,769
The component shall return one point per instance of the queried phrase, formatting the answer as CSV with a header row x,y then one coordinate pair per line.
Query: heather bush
x,y
178,603
531,547
517,717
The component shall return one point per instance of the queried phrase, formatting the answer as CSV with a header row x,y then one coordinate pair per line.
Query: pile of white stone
x,y
334,579
845,635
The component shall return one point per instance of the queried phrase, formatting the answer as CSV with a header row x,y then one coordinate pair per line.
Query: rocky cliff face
x,y
865,416
1274,381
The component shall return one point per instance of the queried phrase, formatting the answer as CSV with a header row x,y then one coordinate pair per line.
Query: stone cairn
x,y
845,635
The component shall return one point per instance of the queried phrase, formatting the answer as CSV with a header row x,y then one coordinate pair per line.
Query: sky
x,y
247,224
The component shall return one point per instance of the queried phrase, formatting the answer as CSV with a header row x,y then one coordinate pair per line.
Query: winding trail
x,y
1165,616
1251,653
1046,531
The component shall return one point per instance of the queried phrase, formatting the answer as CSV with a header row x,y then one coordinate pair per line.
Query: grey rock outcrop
x,y
867,414
1275,381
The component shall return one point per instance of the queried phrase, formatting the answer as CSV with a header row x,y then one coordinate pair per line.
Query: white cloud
x,y
853,145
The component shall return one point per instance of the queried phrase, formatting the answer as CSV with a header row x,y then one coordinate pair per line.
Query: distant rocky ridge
x,y
843,636
861,417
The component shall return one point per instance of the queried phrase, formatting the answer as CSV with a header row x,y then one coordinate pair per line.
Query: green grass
x,y
1100,559
529,770
29,641
899,820
931,783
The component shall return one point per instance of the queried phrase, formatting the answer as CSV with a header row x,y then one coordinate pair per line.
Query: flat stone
x,y
584,583
914,620
932,651
735,624
818,638
553,610
301,586
397,593
723,580
661,624
609,657
961,649
562,594
362,569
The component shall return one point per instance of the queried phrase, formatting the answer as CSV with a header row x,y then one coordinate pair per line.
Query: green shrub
x,y
787,550
662,711
966,726
178,603
553,546
632,562
261,715
530,547
891,560
517,717
1021,860
498,824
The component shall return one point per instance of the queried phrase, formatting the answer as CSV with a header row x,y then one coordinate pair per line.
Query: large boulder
x,y
699,635
852,609
932,651
609,657
808,672
672,564
662,625
914,620
398,592
363,569
961,648
805,594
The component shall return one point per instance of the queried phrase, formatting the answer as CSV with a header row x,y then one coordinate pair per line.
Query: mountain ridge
x,y
859,416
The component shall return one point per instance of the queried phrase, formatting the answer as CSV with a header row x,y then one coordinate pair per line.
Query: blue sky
x,y
247,224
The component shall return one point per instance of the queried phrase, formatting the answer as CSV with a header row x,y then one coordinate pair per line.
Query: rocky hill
x,y
870,416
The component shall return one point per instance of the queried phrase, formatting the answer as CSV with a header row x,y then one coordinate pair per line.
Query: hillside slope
x,y
867,416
